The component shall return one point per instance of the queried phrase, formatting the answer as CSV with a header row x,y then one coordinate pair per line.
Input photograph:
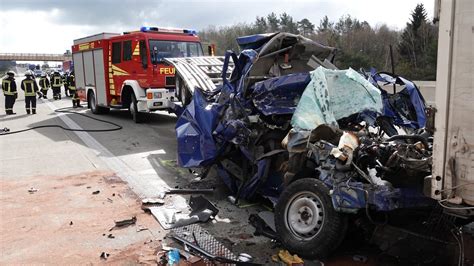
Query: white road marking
x,y
143,154
143,184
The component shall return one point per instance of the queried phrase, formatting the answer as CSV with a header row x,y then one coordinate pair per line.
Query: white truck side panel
x,y
89,71
454,135
89,68
79,70
100,77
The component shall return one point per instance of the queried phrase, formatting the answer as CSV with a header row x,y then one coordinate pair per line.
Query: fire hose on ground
x,y
66,110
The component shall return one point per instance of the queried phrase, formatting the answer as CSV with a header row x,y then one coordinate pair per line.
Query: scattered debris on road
x,y
147,203
264,227
173,257
285,257
96,192
201,211
244,257
204,243
33,190
204,252
104,255
153,201
163,194
66,213
141,228
124,223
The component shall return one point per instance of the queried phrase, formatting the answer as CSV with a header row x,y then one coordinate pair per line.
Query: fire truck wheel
x,y
136,116
95,108
184,94
92,103
306,221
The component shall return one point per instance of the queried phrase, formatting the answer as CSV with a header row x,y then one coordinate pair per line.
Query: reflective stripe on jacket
x,y
44,83
9,86
72,83
57,81
29,86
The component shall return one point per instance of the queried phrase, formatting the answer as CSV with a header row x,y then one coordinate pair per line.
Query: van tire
x,y
306,221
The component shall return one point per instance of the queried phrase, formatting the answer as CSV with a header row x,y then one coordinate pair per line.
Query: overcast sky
x,y
41,26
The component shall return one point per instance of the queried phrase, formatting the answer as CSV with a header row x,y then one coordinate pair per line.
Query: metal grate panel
x,y
205,240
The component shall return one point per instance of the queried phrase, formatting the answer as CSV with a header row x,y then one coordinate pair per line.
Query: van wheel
x,y
136,116
306,220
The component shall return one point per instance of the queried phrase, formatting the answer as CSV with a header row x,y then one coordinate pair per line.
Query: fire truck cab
x,y
127,71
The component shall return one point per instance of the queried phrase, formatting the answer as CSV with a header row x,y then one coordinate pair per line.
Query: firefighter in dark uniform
x,y
44,85
56,82
9,91
31,88
65,79
76,102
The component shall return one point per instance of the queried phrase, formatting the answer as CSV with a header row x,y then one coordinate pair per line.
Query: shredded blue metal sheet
x,y
279,95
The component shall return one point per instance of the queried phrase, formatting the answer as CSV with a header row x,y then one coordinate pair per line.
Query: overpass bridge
x,y
34,57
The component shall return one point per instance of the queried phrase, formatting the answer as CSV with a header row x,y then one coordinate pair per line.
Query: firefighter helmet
x,y
10,73
29,73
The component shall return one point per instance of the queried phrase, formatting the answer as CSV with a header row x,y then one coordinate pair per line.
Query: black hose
x,y
66,111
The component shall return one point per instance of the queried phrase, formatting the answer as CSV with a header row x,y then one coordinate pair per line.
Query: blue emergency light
x,y
193,32
147,29
167,30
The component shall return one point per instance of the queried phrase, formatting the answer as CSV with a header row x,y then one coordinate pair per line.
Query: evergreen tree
x,y
418,17
287,24
417,42
273,22
326,32
305,27
359,45
324,25
261,25
410,47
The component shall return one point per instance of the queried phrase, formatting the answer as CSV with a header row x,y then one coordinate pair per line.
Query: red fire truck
x,y
127,70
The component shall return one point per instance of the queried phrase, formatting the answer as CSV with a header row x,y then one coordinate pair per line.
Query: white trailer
x,y
452,180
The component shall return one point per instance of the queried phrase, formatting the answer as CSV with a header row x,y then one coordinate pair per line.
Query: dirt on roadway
x,y
66,221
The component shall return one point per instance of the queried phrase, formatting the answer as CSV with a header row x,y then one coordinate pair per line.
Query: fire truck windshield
x,y
174,49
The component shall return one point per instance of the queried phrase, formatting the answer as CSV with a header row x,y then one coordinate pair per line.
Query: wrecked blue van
x,y
319,142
